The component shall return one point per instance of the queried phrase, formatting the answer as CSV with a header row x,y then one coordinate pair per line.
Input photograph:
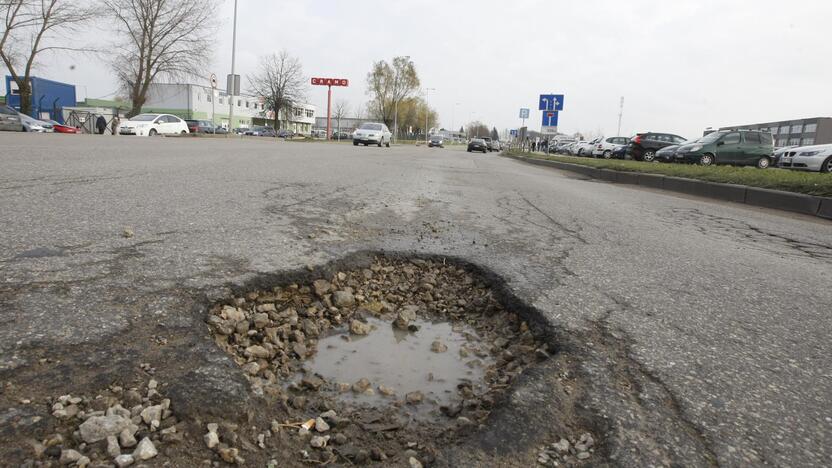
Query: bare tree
x,y
342,108
281,83
30,28
163,39
388,85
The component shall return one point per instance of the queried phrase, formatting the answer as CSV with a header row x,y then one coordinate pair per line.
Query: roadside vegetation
x,y
777,179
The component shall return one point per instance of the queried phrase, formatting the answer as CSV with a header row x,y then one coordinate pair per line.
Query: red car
x,y
61,128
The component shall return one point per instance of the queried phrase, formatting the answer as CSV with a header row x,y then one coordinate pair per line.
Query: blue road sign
x,y
524,113
551,102
513,132
550,119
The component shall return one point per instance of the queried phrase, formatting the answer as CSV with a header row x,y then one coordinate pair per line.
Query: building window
x,y
298,112
784,130
782,142
794,141
310,113
797,128
810,128
222,101
208,97
239,102
807,142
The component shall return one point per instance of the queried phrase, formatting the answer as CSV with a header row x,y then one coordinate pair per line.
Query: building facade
x,y
47,100
800,132
191,101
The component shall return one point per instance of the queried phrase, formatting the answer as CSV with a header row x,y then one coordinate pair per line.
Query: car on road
x,y
261,131
643,146
605,147
153,124
741,148
372,133
10,119
200,126
477,144
342,135
284,133
61,128
808,158
436,141
488,143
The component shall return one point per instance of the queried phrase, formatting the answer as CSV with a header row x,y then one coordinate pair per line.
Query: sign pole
x,y
328,112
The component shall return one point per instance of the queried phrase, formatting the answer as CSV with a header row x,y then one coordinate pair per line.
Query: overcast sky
x,y
681,65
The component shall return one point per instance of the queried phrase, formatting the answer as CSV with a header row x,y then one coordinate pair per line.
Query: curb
x,y
766,198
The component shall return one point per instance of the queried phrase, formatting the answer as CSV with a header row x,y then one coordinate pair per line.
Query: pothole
x,y
391,360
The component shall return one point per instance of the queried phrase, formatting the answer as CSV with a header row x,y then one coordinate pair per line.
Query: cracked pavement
x,y
700,329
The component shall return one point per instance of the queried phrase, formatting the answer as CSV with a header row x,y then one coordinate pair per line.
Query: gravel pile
x,y
566,452
117,427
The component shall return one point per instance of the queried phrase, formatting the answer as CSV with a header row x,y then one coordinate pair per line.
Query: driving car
x,y
605,147
61,128
436,140
9,119
643,146
200,126
153,124
477,144
741,148
372,133
488,143
496,145
284,133
808,158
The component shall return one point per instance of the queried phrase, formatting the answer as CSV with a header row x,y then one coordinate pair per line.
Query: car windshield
x,y
370,126
144,118
711,137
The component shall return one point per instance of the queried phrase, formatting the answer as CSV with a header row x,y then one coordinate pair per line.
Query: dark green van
x,y
740,148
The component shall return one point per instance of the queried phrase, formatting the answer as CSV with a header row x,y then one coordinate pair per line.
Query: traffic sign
x,y
549,130
213,81
330,82
513,132
524,113
550,102
550,119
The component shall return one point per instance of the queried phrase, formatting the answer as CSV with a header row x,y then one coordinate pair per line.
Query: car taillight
x,y
637,139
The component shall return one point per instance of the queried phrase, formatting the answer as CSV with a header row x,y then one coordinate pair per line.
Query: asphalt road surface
x,y
700,329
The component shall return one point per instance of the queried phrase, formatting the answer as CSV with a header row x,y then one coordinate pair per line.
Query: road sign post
x,y
550,105
213,101
329,83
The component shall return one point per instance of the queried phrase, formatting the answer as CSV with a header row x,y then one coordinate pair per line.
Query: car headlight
x,y
810,153
695,148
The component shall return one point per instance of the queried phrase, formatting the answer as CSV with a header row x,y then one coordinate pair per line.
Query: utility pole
x,y
620,114
233,76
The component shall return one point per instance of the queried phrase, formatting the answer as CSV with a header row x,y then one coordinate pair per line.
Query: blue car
x,y
620,152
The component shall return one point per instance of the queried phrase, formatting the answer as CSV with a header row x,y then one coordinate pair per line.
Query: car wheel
x,y
183,132
469,150
648,156
388,143
152,132
380,142
607,154
706,159
355,143
763,163
827,166
580,152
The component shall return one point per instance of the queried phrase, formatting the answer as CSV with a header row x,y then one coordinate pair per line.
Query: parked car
x,y
742,148
10,119
477,144
372,133
436,140
559,146
808,158
31,124
342,135
488,143
284,133
620,152
572,148
585,148
153,124
261,131
667,154
220,130
605,147
778,152
61,128
201,126
496,145
643,146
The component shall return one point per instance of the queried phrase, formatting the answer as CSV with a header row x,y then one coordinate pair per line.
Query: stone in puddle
x,y
312,382
438,347
414,398
404,316
361,385
358,327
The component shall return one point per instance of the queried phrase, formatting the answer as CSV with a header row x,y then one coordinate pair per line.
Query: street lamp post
x,y
233,82
427,110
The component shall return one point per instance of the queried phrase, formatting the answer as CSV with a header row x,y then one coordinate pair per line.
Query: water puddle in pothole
x,y
402,362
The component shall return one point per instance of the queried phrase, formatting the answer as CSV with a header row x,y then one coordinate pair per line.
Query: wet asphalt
x,y
721,311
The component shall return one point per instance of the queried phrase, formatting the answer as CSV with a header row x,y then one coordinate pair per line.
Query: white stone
x,y
145,450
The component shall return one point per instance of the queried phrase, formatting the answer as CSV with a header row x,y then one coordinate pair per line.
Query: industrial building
x,y
800,132
47,100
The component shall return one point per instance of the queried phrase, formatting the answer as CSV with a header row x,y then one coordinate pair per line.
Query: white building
x,y
191,101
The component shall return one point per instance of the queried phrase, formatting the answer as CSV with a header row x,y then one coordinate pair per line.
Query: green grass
x,y
811,183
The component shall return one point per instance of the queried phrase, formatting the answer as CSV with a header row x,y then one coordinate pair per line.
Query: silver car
x,y
31,124
372,133
816,158
9,119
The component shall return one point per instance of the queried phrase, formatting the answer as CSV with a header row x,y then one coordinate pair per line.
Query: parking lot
x,y
696,332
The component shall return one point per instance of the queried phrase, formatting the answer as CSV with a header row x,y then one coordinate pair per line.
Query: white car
x,y
372,133
606,146
808,158
585,148
154,124
31,124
